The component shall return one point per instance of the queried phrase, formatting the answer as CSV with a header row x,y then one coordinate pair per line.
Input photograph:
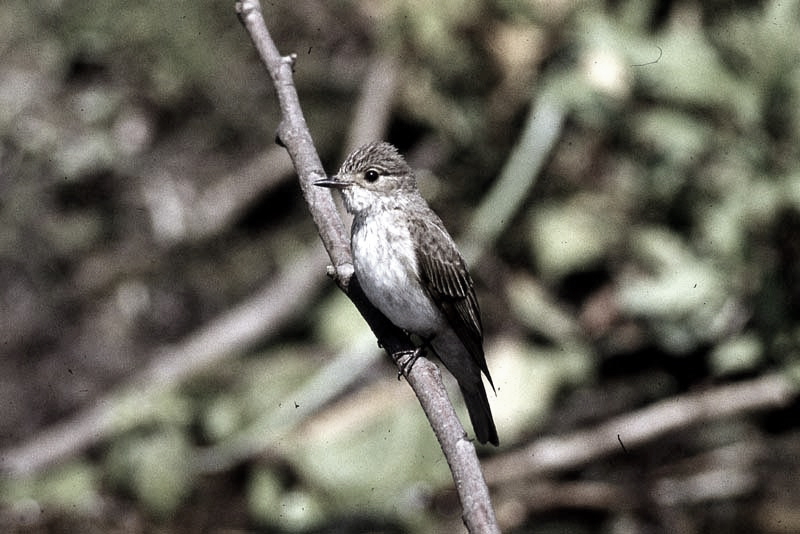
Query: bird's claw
x,y
405,360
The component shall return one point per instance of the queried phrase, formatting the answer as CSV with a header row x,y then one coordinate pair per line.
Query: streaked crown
x,y
382,157
376,176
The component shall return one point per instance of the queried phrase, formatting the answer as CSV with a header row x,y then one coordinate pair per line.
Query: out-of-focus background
x,y
623,177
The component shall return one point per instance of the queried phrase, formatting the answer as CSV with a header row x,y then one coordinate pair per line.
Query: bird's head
x,y
371,177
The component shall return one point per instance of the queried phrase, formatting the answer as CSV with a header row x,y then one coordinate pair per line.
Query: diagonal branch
x,y
293,134
424,377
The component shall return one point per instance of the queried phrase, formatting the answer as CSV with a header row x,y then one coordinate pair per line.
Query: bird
x,y
412,271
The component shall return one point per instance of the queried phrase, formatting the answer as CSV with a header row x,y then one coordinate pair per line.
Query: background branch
x,y
559,453
374,107
132,403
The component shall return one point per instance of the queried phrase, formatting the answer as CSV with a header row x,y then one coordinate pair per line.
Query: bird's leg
x,y
407,358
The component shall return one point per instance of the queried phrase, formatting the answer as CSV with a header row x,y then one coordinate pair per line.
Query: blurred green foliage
x,y
626,176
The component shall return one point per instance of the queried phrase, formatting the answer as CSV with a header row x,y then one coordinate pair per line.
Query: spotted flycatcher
x,y
411,270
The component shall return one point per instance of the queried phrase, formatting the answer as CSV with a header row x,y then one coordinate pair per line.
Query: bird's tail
x,y
480,414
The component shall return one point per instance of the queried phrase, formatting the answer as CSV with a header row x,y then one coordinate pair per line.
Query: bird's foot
x,y
405,360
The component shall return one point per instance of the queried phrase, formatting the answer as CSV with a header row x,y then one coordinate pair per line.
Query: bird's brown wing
x,y
444,275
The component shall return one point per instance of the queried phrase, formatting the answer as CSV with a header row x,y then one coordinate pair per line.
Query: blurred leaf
x,y
373,454
70,487
528,380
681,294
270,504
738,355
690,73
539,312
679,283
222,418
339,323
85,154
156,468
132,409
571,236
671,134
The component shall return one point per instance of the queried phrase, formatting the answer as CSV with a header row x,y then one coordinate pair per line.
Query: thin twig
x,y
424,378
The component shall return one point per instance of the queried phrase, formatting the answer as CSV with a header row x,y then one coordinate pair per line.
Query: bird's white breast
x,y
385,262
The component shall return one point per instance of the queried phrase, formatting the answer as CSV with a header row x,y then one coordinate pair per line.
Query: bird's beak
x,y
333,182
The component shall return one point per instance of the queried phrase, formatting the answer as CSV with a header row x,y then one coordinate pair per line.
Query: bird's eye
x,y
371,175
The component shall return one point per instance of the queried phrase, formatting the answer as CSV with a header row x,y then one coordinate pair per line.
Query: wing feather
x,y
444,275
